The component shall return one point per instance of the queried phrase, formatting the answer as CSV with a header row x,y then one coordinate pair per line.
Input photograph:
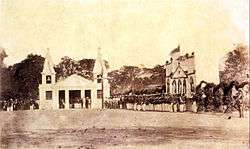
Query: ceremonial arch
x,y
74,91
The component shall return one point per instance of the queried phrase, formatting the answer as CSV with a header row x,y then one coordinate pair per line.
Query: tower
x,y
180,74
48,73
99,70
101,78
47,93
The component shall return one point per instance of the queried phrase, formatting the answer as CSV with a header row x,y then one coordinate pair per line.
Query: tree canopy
x,y
236,66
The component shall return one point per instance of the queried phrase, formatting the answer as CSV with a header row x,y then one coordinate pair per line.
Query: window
x,y
184,87
179,86
192,84
88,94
48,95
99,78
99,94
174,86
48,79
168,86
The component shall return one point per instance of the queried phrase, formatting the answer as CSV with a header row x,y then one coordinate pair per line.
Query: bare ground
x,y
121,129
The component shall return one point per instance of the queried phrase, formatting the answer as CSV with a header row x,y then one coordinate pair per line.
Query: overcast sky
x,y
129,32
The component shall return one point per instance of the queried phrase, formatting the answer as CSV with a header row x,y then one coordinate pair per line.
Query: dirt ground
x,y
92,129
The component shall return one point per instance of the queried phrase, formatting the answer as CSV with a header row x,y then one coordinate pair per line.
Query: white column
x,y
55,99
95,103
66,99
53,79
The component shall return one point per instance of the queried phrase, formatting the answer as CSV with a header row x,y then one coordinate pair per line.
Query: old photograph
x,y
124,74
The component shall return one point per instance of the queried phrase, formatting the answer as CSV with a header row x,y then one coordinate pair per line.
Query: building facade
x,y
73,91
180,74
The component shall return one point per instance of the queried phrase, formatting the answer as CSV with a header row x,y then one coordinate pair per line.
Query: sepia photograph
x,y
124,74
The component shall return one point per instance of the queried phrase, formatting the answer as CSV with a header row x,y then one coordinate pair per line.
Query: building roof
x,y
175,50
186,56
75,81
179,73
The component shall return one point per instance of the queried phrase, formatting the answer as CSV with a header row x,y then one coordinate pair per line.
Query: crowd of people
x,y
210,98
76,103
15,104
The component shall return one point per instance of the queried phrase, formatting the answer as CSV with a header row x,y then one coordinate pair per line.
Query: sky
x,y
129,32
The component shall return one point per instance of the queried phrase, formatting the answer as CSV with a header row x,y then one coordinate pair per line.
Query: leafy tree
x,y
68,66
23,79
3,70
236,65
27,76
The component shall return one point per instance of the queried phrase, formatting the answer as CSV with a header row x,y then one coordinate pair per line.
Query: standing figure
x,y
86,103
231,99
199,100
90,103
239,103
218,99
83,103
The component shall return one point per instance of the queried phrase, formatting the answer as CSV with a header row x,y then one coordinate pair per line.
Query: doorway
x,y
61,99
75,99
88,99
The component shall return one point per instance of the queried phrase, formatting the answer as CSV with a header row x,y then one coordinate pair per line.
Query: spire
x,y
99,67
99,54
48,67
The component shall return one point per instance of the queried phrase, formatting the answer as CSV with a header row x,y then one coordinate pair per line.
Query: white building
x,y
73,91
180,74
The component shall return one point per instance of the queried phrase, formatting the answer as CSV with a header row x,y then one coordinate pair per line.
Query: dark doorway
x,y
88,99
61,99
75,98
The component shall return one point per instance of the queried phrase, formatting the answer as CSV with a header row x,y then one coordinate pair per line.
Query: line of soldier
x,y
199,101
177,102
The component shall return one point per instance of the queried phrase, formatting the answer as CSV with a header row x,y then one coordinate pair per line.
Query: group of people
x,y
83,102
208,99
220,99
175,102
236,102
15,104
153,98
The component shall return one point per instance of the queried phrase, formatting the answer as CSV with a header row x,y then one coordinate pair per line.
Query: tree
x,y
68,66
3,70
23,80
236,66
